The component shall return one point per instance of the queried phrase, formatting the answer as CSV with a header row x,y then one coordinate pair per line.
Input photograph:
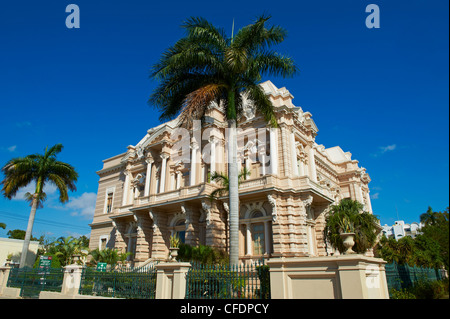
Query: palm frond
x,y
194,104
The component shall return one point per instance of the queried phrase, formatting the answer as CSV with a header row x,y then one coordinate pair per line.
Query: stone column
x,y
285,146
369,204
148,176
301,170
178,184
293,154
162,180
212,141
248,239
273,151
312,164
248,165
193,172
267,237
126,187
262,160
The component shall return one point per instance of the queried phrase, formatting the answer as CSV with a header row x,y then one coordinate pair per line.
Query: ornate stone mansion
x,y
147,193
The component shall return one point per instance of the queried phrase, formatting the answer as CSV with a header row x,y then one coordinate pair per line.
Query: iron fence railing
x,y
128,283
32,281
404,276
227,282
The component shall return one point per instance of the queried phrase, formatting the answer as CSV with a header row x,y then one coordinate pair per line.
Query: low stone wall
x,y
11,293
58,295
337,277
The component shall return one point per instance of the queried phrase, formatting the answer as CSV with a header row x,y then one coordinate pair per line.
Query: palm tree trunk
x,y
233,193
26,243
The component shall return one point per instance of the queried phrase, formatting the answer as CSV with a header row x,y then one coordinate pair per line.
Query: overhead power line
x,y
9,215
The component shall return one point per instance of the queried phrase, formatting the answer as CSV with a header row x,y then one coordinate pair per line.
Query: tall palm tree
x,y
41,169
206,66
2,225
348,216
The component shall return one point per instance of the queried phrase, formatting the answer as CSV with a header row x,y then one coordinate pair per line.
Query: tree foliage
x,y
206,65
18,234
429,249
42,169
203,254
64,248
109,256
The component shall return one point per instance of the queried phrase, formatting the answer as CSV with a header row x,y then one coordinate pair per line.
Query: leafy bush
x,y
204,254
426,289
422,289
264,280
401,294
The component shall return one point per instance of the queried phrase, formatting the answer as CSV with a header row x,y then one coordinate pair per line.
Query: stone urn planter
x,y
349,241
174,241
173,254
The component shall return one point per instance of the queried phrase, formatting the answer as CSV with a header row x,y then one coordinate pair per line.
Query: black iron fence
x,y
404,276
32,281
228,282
128,283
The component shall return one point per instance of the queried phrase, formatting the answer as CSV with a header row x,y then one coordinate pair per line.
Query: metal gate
x,y
129,283
32,281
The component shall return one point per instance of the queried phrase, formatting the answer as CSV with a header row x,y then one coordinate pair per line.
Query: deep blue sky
x,y
381,94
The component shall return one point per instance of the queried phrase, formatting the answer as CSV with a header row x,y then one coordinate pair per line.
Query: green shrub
x,y
264,279
401,294
426,289
204,254
422,289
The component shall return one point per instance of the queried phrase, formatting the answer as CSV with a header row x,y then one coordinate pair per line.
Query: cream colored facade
x,y
147,193
14,247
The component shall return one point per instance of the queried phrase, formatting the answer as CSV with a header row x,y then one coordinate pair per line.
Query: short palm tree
x,y
41,169
109,256
207,66
68,247
224,181
348,216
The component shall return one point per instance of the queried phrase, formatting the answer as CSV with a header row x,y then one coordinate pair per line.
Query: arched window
x,y
257,214
131,235
258,235
180,229
258,238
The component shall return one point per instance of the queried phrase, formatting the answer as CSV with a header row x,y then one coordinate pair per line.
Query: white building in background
x,y
400,229
13,248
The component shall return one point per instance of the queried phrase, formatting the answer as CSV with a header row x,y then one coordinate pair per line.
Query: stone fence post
x,y
171,280
4,274
72,279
